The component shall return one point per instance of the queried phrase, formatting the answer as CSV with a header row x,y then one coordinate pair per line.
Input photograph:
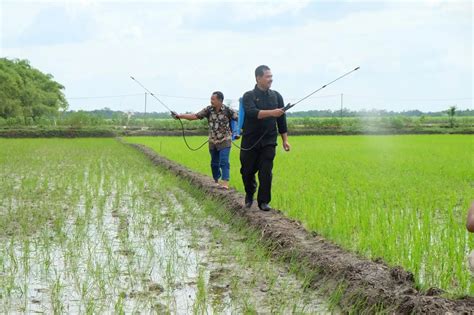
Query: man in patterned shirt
x,y
220,135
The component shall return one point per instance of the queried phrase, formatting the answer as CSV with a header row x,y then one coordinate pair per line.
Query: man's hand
x,y
278,112
284,139
262,114
175,115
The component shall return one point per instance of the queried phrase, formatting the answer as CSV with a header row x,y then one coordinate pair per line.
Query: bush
x,y
44,122
14,121
396,122
56,132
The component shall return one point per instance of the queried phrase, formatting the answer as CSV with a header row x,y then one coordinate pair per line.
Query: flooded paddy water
x,y
91,226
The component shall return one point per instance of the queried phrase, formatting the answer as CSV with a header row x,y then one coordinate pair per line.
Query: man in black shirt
x,y
263,113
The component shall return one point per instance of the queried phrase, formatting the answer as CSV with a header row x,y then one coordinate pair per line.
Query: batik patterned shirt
x,y
220,134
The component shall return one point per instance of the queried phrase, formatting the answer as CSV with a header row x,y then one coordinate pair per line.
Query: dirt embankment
x,y
371,285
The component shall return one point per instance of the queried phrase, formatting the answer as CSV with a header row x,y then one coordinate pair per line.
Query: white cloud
x,y
252,10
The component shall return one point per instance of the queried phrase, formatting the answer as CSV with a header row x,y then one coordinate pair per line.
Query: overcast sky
x,y
412,54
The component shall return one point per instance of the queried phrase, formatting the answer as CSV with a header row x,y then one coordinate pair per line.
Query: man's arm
x,y
199,115
281,120
265,113
187,116
281,123
252,111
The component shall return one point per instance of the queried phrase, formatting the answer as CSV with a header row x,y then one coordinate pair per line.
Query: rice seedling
x,y
402,198
91,226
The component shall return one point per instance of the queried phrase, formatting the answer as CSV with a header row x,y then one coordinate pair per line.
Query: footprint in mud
x,y
218,274
220,289
156,288
264,287
138,294
153,289
201,247
125,252
180,285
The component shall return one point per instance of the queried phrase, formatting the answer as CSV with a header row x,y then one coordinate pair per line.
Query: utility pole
x,y
342,95
144,116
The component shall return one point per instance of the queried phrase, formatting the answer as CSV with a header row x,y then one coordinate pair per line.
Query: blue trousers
x,y
220,165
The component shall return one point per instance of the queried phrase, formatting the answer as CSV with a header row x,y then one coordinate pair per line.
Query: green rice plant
x,y
402,198
92,226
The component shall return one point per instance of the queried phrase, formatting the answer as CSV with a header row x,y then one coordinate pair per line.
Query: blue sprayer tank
x,y
236,126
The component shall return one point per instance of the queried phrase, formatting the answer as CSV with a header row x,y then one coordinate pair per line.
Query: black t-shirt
x,y
253,128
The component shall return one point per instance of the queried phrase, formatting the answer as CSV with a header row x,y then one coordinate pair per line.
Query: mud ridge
x,y
371,285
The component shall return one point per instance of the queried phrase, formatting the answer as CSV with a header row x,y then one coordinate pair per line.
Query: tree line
x,y
27,94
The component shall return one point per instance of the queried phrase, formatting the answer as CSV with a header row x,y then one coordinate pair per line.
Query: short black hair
x,y
260,70
219,95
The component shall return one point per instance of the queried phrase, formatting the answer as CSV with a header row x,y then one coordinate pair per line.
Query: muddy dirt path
x,y
364,285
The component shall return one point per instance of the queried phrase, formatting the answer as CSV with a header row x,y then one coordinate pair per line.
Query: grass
x,y
91,226
402,198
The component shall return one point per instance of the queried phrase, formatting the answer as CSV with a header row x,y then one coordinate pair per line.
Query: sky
x,y
412,54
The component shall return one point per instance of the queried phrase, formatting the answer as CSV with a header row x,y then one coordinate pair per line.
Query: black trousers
x,y
258,160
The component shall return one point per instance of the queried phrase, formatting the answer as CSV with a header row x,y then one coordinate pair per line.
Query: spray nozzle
x,y
287,107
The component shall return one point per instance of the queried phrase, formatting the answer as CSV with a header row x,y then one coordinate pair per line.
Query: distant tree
x,y
451,112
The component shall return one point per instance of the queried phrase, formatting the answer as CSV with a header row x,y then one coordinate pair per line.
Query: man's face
x,y
215,101
265,81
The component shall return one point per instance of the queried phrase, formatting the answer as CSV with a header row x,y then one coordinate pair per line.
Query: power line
x,y
389,98
173,96
320,96
106,96
136,94
186,97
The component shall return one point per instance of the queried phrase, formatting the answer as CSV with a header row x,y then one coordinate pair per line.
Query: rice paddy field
x,y
401,198
91,226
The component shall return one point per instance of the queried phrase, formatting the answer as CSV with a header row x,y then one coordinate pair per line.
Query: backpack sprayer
x,y
236,126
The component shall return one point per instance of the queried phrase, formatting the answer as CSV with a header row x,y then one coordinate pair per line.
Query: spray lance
x,y
286,108
173,114
241,113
